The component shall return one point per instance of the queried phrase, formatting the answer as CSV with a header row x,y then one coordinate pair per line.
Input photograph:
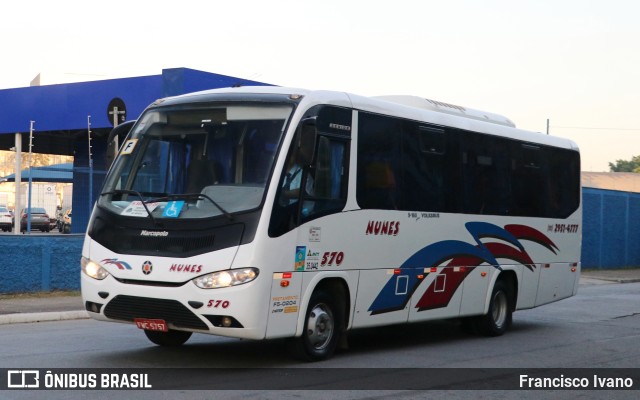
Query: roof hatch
x,y
433,105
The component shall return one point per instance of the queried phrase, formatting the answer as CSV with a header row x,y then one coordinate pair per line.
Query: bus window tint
x,y
424,173
379,157
486,164
564,185
407,165
528,180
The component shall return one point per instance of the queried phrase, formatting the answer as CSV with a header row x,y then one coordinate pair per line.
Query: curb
x,y
616,280
23,318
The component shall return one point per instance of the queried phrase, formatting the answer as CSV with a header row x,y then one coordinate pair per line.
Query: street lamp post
x,y
17,202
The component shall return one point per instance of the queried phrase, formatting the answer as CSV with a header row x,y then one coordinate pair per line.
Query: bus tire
x,y
323,325
168,339
498,319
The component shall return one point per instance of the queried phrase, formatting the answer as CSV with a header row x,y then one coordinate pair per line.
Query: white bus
x,y
267,212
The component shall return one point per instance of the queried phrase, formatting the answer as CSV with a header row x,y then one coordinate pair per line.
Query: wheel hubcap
x,y
320,326
500,309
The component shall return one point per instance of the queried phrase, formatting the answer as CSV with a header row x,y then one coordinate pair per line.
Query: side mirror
x,y
115,139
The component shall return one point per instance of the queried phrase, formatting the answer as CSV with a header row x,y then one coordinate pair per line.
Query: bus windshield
x,y
196,161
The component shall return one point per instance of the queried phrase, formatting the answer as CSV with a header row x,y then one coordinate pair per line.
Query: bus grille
x,y
126,308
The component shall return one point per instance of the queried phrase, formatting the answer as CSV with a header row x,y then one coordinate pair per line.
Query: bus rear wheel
x,y
322,328
498,319
168,339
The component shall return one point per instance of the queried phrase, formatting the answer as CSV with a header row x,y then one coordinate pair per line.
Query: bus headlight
x,y
224,279
93,269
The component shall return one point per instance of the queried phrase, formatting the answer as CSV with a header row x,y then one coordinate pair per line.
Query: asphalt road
x,y
598,328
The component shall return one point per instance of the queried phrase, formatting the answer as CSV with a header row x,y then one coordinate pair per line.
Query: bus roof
x,y
410,107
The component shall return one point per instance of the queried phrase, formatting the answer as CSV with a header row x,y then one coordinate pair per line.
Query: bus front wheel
x,y
169,339
322,328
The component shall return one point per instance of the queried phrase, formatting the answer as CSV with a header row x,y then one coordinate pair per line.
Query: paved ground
x,y
60,306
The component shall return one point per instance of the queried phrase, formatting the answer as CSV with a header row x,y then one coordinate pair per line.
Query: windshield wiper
x,y
193,196
133,192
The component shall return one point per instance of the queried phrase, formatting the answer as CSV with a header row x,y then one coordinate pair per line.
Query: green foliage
x,y
632,165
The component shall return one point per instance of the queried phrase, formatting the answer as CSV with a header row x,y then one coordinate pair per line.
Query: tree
x,y
632,165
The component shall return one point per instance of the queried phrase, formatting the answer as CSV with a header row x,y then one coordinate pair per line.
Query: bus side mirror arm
x,y
114,141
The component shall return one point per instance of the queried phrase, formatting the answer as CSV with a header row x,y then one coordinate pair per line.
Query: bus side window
x,y
307,192
379,184
530,194
296,175
330,189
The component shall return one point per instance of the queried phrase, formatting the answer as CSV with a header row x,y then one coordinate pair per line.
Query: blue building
x,y
611,210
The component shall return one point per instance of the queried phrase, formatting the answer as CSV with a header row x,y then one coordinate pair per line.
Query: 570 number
x,y
331,257
218,303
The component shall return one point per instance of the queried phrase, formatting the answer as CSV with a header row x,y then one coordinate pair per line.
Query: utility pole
x,y
17,203
30,176
547,126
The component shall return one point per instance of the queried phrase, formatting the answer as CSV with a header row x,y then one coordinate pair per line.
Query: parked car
x,y
66,222
53,222
39,219
6,219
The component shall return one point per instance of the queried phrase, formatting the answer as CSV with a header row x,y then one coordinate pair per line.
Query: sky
x,y
575,63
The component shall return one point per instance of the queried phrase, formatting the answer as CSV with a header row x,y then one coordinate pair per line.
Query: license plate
x,y
151,324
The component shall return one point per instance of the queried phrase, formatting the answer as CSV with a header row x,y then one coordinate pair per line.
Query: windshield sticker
x,y
128,146
136,209
173,209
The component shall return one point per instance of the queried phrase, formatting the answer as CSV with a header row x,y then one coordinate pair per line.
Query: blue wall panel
x,y
633,228
614,244
591,228
40,263
611,232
